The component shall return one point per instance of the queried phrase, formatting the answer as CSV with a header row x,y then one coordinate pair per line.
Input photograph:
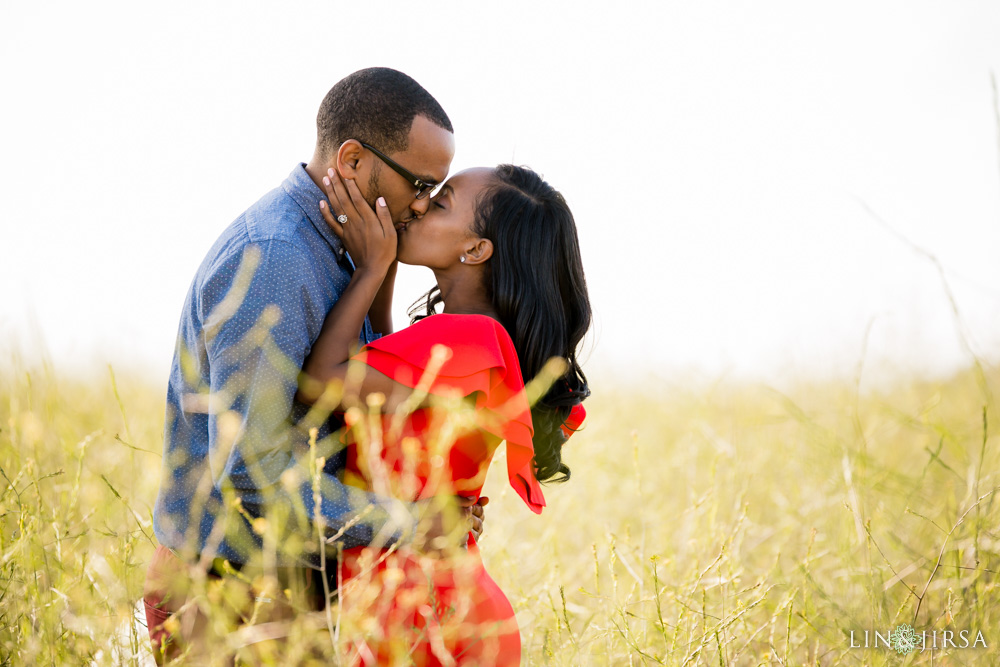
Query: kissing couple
x,y
322,468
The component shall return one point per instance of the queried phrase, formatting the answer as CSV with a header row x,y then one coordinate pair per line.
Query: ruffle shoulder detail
x,y
468,355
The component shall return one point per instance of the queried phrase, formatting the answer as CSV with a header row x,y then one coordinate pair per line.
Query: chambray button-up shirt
x,y
252,313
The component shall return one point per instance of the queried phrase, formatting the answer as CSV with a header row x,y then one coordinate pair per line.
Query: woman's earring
x,y
462,259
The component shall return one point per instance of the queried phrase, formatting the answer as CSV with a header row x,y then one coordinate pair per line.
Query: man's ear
x,y
479,252
347,158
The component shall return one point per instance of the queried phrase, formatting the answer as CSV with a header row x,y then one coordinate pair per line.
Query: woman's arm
x,y
370,238
342,327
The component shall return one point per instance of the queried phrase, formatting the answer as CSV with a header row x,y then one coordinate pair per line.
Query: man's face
x,y
428,157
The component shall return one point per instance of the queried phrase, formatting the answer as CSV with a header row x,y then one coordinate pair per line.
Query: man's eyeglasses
x,y
423,187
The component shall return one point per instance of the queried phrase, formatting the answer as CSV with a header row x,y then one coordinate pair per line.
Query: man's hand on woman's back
x,y
444,523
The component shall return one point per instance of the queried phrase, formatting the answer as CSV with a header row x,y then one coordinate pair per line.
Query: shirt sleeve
x,y
256,308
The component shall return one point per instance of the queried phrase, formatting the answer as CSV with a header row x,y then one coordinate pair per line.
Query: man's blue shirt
x,y
232,451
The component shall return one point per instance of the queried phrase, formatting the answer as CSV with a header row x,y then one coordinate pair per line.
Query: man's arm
x,y
256,327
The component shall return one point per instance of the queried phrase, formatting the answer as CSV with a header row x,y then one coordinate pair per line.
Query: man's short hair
x,y
377,106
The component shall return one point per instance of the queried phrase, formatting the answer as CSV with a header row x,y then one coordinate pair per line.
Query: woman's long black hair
x,y
536,284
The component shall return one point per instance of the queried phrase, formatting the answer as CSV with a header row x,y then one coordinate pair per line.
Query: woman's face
x,y
439,238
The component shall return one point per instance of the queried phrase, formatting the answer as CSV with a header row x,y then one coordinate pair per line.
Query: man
x,y
239,486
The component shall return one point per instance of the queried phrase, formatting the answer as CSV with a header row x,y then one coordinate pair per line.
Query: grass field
x,y
732,525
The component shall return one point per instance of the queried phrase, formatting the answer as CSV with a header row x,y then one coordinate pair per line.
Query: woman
x,y
503,247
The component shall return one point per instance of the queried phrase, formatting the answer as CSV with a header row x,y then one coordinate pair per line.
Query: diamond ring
x,y
342,219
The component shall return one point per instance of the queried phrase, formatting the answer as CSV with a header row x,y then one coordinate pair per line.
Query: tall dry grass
x,y
735,525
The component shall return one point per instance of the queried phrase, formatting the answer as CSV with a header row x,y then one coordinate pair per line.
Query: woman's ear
x,y
479,252
347,158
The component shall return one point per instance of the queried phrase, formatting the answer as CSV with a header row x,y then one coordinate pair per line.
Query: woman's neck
x,y
465,296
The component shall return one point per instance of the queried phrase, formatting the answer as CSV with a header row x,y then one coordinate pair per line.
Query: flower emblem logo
x,y
904,639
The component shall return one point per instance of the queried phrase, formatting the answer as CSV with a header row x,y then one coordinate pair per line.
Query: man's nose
x,y
420,206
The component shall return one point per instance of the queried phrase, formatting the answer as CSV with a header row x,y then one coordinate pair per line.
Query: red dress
x,y
424,609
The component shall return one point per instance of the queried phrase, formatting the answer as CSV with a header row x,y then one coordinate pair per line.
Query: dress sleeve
x,y
575,420
474,356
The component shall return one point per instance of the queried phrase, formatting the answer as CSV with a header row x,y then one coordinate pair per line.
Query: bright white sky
x,y
716,156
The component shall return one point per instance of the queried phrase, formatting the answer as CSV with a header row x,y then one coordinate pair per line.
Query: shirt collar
x,y
304,192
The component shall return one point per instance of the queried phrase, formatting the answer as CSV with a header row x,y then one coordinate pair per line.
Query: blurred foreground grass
x,y
727,526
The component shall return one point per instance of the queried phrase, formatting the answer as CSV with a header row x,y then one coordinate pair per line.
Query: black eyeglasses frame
x,y
423,187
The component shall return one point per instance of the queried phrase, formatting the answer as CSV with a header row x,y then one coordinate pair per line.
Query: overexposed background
x,y
723,160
